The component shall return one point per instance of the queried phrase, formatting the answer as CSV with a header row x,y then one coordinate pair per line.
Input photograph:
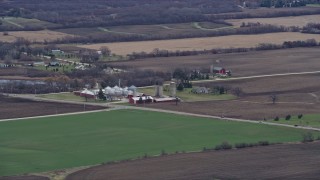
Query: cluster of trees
x,y
81,13
313,28
76,80
226,146
50,85
264,14
21,49
129,77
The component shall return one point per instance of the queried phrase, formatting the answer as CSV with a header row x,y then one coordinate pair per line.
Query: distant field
x,y
53,143
11,108
280,21
146,30
21,23
241,64
187,96
288,161
66,96
124,48
80,31
38,36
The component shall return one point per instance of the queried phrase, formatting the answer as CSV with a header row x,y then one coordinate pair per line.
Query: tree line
x,y
312,28
81,13
262,46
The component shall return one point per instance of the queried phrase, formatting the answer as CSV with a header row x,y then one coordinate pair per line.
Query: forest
x,y
82,13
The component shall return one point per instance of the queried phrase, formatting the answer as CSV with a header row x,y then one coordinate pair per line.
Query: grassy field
x,y
18,22
38,36
236,41
46,144
66,96
280,21
313,5
312,120
146,30
187,96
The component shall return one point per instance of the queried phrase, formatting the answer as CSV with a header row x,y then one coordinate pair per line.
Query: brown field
x,y
236,41
18,108
280,21
241,64
34,36
293,92
289,161
278,84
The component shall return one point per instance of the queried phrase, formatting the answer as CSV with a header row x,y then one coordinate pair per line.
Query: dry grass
x,y
124,48
280,21
38,36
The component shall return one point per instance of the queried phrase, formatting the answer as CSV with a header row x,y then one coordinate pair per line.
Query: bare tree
x,y
274,98
237,91
105,51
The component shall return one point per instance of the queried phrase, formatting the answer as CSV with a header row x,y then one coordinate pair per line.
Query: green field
x,y
187,96
312,120
313,5
52,143
68,97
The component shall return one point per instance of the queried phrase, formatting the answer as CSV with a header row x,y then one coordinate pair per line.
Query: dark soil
x,y
18,108
290,161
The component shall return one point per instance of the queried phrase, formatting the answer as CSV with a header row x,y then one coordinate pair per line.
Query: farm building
x,y
54,63
88,94
117,91
141,100
219,70
165,99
